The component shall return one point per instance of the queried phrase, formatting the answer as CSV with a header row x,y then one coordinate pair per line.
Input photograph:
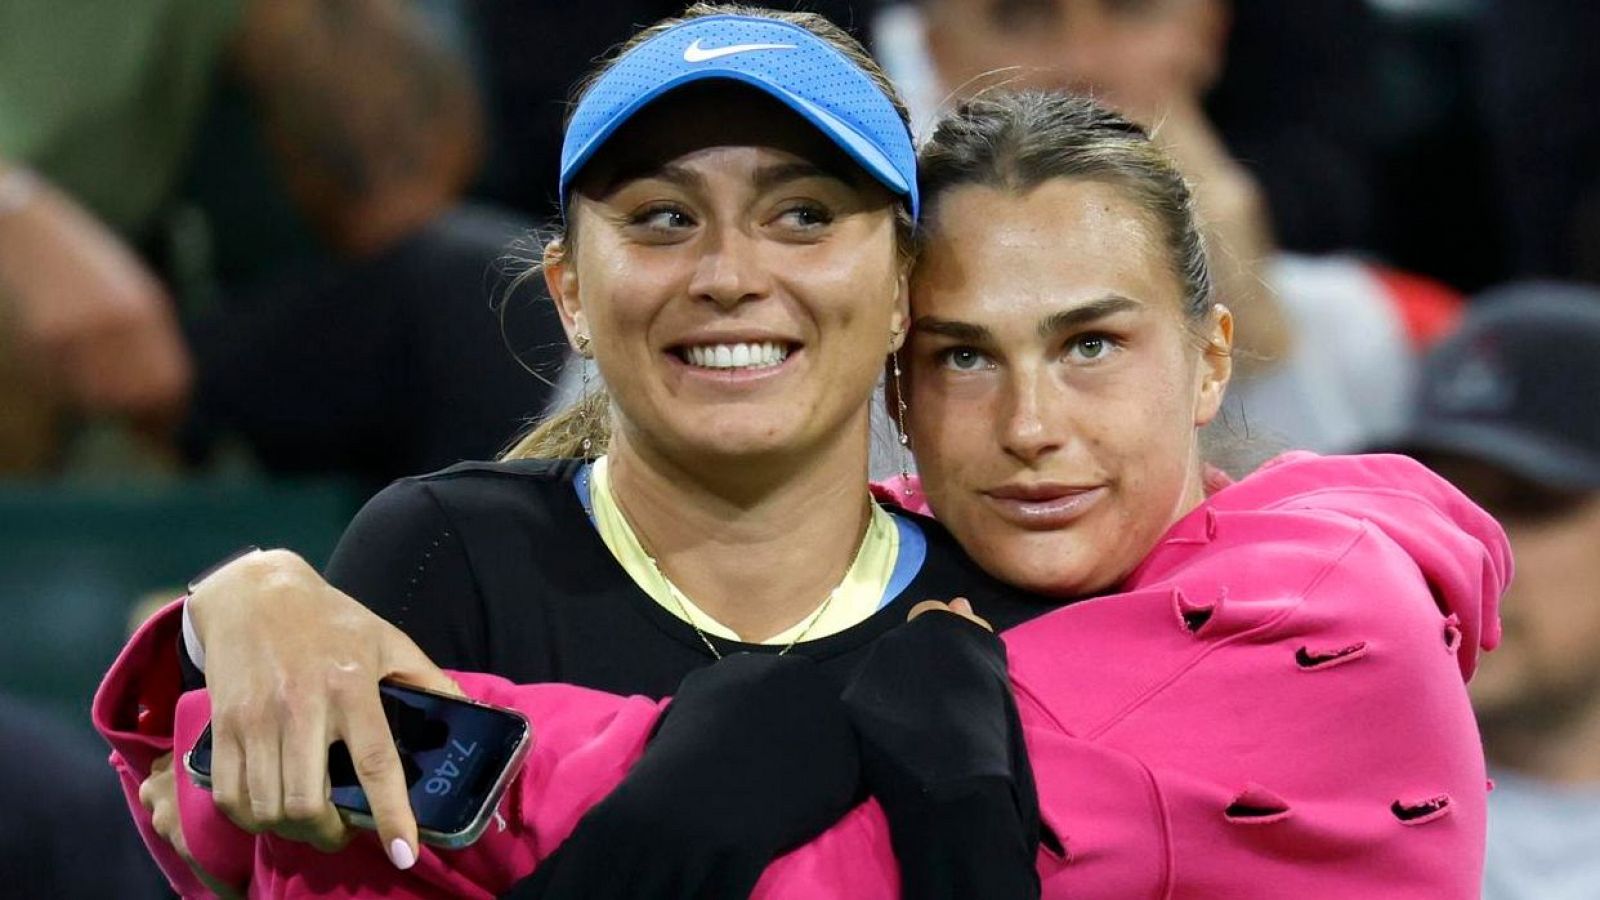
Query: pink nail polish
x,y
401,854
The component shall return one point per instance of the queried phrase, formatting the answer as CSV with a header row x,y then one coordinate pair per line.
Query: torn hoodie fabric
x,y
1273,704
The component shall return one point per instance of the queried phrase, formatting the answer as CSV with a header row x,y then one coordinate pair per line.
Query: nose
x,y
1032,423
730,270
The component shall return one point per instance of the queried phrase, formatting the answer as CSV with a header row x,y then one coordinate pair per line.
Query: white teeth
x,y
736,356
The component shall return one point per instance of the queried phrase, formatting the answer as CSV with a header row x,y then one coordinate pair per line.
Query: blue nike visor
x,y
780,59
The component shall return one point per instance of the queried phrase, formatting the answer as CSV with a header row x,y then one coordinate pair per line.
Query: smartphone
x,y
458,756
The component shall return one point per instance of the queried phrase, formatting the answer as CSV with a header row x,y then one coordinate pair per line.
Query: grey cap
x,y
1518,386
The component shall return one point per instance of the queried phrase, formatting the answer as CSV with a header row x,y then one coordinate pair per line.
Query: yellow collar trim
x,y
858,595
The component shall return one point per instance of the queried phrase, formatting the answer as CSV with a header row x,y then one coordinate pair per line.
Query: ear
x,y
900,320
1213,20
1216,364
561,280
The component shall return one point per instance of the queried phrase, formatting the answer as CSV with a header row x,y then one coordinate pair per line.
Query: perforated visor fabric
x,y
783,60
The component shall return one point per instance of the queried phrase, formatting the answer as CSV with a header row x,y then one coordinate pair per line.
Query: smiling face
x,y
738,276
1056,384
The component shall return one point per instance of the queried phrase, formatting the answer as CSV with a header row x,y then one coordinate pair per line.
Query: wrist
x,y
199,598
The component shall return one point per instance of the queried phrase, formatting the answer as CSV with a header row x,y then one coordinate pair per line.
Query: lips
x,y
1043,506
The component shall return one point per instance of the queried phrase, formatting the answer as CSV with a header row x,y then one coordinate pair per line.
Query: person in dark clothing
x,y
739,281
61,808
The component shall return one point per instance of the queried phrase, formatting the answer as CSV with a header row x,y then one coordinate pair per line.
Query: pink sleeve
x,y
584,742
134,711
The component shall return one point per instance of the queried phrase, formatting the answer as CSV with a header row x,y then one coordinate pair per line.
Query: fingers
x,y
405,662
229,787
959,606
158,794
377,766
264,776
308,813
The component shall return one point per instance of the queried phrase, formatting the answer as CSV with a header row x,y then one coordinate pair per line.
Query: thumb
x,y
962,605
405,662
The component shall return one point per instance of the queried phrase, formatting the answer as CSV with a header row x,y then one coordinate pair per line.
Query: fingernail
x,y
401,854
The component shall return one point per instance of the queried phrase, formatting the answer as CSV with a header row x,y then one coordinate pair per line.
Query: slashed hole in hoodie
x,y
1309,659
1255,805
1193,614
1417,812
1452,634
1053,844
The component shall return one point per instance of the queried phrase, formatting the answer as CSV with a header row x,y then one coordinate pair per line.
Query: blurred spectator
x,y
377,354
1152,61
1507,412
1540,76
1327,344
1292,95
65,833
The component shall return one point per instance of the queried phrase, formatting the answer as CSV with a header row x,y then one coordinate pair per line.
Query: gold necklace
x,y
677,595
674,593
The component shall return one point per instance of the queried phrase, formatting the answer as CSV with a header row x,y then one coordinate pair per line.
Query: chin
x,y
1051,564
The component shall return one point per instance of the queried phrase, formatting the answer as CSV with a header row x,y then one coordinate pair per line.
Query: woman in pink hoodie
x,y
1262,694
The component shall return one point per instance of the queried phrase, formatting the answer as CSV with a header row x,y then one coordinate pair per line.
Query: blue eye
x,y
964,359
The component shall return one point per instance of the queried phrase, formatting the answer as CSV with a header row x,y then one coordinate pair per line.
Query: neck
x,y
759,547
1562,753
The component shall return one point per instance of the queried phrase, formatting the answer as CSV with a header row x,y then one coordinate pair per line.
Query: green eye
x,y
965,359
1091,346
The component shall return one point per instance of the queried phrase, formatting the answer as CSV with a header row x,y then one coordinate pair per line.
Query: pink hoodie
x,y
1273,705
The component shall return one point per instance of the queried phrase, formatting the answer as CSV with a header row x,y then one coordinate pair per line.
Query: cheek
x,y
950,432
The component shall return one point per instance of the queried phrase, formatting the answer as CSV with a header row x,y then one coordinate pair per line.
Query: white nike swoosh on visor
x,y
694,53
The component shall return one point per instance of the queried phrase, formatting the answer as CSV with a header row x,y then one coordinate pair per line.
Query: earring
x,y
900,420
585,427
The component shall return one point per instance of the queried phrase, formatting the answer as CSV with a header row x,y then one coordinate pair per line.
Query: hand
x,y
158,794
960,606
88,316
293,665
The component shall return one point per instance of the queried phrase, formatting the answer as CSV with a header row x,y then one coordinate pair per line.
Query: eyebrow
x,y
956,330
1077,317
1055,323
766,177
678,175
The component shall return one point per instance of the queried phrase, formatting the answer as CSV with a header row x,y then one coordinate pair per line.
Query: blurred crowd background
x,y
253,260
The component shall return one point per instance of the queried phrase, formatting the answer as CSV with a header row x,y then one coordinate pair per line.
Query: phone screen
x,y
452,753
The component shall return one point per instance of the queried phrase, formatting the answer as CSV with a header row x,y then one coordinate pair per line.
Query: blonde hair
x,y
584,428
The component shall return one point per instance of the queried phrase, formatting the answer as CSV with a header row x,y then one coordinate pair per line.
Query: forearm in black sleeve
x,y
754,756
942,751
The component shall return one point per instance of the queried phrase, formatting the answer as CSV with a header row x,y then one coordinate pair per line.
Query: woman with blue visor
x,y
739,191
